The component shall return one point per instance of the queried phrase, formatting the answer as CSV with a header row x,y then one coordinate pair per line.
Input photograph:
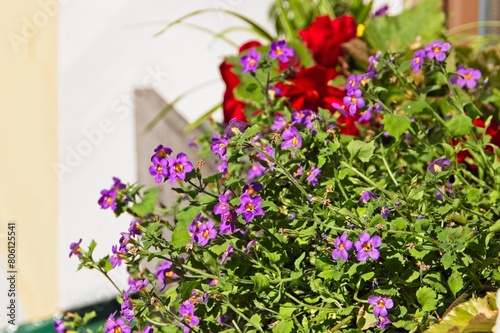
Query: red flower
x,y
309,89
325,37
232,107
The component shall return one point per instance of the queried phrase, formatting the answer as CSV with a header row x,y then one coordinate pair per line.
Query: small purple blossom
x,y
250,207
165,273
304,117
291,138
384,211
116,326
178,167
194,227
137,285
186,310
366,196
252,188
418,60
264,157
227,253
299,172
116,257
342,245
222,167
159,169
380,305
312,175
372,67
366,246
280,51
382,321
108,199
206,233
219,146
134,229
117,184
437,50
439,165
353,100
127,309
147,329
161,152
227,225
353,82
235,127
467,77
250,62
124,240
250,245
223,206
76,249
59,326
279,123
256,170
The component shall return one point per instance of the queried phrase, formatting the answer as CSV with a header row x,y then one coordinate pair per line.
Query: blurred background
x,y
80,82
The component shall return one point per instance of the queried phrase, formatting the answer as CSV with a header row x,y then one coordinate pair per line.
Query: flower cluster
x,y
165,167
365,247
109,196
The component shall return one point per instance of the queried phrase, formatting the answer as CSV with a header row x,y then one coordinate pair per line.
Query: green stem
x,y
242,315
342,323
289,31
387,167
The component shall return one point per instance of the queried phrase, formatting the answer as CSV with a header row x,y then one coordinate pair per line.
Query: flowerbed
x,y
346,200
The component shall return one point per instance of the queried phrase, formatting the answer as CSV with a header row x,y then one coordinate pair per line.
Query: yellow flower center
x,y
417,60
249,207
353,100
468,76
437,49
206,233
279,51
251,62
341,246
222,145
295,141
367,247
188,318
437,168
381,304
117,329
179,167
109,200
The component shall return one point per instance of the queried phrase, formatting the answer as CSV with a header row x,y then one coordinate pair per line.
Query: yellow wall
x,y
28,146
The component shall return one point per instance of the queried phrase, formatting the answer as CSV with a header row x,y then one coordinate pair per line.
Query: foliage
x,y
348,199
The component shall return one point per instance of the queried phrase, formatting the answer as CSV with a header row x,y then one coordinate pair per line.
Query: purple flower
x,y
165,273
147,329
279,123
250,62
252,188
194,227
372,67
227,223
116,258
384,211
124,240
299,172
137,285
134,229
380,305
159,169
250,207
418,60
437,50
223,206
178,167
280,51
108,199
466,77
447,188
311,175
59,326
382,322
186,310
76,249
366,196
256,170
304,117
117,184
198,296
127,309
222,167
219,146
353,82
193,143
367,247
228,252
342,245
235,127
381,11
161,152
206,233
439,165
251,244
264,157
116,326
353,100
291,138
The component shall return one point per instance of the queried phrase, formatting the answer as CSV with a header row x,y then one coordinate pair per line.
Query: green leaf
x,y
255,320
180,236
395,124
456,283
287,311
327,274
261,282
284,326
147,205
448,259
361,150
427,298
459,125
414,107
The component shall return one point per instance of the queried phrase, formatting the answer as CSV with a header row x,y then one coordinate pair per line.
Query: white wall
x,y
106,48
